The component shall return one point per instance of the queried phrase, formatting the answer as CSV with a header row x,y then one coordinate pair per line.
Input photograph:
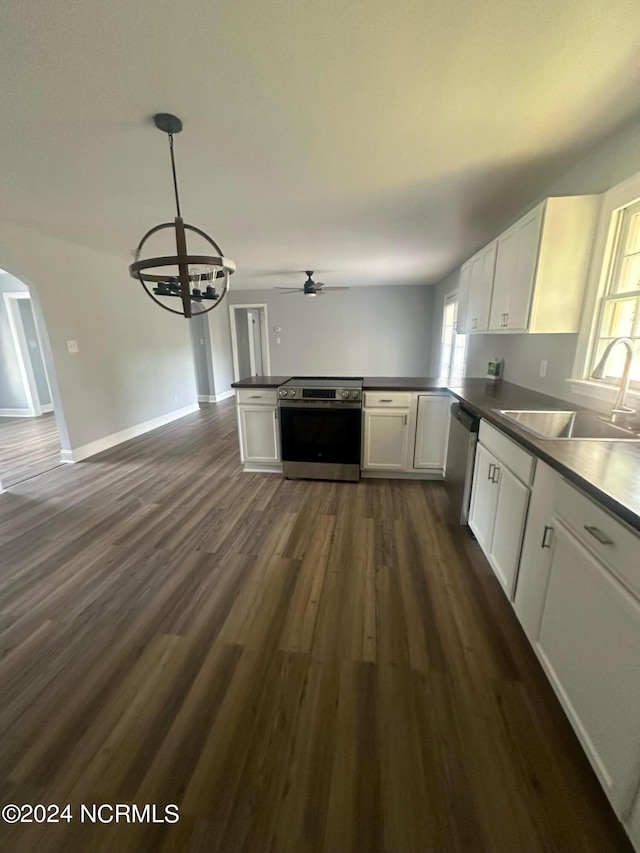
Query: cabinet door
x,y
506,261
589,644
484,499
481,272
259,439
537,550
432,431
385,439
528,231
511,513
463,296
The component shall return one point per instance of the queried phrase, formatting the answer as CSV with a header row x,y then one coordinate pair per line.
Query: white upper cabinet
x,y
532,278
481,273
515,273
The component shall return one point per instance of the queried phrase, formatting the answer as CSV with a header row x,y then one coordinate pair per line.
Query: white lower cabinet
x,y
537,550
432,431
386,435
499,502
404,433
259,434
589,644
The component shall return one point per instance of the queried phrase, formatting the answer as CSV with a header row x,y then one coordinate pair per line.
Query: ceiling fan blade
x,y
290,289
337,288
287,292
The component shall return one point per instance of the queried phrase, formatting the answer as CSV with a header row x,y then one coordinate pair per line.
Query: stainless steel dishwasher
x,y
461,455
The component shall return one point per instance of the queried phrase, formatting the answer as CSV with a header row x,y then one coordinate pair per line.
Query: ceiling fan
x,y
311,287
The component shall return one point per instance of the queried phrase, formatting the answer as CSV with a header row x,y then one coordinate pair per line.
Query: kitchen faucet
x,y
620,411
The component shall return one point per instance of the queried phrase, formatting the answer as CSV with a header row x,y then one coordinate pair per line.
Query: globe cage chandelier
x,y
191,278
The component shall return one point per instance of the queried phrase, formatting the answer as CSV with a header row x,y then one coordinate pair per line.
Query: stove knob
x,y
345,394
355,394
293,392
283,392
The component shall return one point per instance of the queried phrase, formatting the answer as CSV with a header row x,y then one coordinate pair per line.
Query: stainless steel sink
x,y
566,424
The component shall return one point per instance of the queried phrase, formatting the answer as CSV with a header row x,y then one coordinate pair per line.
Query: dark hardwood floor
x,y
300,666
28,447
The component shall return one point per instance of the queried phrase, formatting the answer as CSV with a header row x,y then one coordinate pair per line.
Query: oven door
x,y
321,440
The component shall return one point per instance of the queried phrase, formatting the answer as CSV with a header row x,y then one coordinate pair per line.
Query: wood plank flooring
x,y
28,447
299,666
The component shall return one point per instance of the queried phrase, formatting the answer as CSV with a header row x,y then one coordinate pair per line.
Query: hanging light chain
x,y
175,177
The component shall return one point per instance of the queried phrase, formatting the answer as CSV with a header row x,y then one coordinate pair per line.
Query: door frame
x,y
266,358
34,407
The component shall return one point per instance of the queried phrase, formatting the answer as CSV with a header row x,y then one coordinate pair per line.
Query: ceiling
x,y
375,141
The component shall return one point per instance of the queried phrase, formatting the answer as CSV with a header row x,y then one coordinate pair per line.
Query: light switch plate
x,y
72,346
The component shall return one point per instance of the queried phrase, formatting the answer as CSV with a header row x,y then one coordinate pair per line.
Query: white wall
x,y
365,331
134,357
605,165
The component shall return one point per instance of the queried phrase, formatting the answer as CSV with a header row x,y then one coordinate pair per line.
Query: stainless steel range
x,y
321,427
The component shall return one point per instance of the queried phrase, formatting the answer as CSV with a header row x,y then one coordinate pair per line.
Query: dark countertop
x,y
609,471
260,382
403,383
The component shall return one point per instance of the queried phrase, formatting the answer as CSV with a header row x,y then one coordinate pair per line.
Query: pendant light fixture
x,y
187,277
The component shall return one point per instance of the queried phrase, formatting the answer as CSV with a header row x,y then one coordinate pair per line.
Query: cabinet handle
x,y
405,420
474,323
602,538
496,474
506,319
546,539
490,474
385,401
256,397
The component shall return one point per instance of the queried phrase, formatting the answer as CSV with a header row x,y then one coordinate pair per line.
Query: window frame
x,y
601,272
451,295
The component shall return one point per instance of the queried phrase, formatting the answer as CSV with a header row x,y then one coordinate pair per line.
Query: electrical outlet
x,y
277,340
175,398
72,346
543,367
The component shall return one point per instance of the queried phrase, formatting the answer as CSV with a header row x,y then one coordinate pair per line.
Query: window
x,y
619,309
453,347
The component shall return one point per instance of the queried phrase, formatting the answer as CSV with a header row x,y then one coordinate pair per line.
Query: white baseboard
x,y
203,398
108,441
16,413
225,395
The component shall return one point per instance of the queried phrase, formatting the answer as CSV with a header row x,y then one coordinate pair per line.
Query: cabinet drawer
x,y
613,542
387,400
257,396
521,463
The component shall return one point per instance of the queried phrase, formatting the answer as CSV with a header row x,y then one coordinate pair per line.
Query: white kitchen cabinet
x,y
541,267
499,502
432,431
385,439
484,499
589,644
537,550
511,512
259,434
481,274
515,269
259,429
